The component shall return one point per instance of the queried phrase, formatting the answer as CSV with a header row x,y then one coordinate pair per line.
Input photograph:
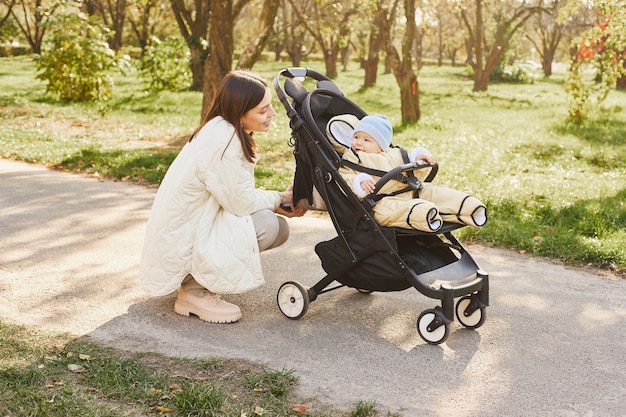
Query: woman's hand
x,y
287,207
294,211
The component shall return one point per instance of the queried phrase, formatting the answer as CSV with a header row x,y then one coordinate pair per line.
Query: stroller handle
x,y
294,72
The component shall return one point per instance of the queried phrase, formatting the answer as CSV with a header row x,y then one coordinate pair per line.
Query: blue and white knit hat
x,y
378,127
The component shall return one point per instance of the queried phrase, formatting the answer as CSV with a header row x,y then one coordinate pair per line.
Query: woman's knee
x,y
271,230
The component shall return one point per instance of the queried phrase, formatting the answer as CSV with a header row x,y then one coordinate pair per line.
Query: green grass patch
x,y
63,376
553,188
137,165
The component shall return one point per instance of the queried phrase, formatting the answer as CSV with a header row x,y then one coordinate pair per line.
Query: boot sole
x,y
185,310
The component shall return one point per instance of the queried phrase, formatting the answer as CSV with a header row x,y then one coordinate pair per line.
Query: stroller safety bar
x,y
396,172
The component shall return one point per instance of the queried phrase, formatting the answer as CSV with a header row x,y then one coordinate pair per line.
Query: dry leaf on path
x,y
300,409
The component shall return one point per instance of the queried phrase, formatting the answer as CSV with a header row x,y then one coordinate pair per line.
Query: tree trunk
x,y
440,47
330,60
409,87
480,83
621,81
469,60
118,17
487,59
6,16
253,49
220,57
370,66
140,23
345,57
198,56
33,25
317,21
546,62
294,35
402,68
296,56
113,15
409,97
378,33
193,26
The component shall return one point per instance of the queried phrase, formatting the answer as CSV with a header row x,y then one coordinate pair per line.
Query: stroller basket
x,y
365,255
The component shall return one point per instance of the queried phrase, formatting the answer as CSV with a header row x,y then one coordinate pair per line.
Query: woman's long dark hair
x,y
238,92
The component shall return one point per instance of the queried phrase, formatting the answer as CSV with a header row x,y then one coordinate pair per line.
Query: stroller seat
x,y
365,255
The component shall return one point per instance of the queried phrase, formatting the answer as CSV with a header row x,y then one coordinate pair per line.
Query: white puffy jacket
x,y
200,221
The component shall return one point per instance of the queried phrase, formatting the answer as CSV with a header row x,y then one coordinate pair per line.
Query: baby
x,y
367,142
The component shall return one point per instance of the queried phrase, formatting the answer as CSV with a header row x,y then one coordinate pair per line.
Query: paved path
x,y
554,343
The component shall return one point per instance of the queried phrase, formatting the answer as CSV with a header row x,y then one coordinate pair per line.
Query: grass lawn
x,y
553,189
63,376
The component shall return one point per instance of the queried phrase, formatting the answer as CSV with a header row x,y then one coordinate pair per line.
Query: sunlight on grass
x,y
553,188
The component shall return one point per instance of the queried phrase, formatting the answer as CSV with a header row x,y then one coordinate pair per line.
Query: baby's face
x,y
362,142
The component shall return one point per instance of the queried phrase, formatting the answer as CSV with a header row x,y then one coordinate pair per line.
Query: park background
x,y
542,142
520,101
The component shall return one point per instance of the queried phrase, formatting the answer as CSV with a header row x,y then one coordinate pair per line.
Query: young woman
x,y
209,222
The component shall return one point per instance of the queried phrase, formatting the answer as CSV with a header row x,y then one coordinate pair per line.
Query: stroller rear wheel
x,y
432,328
293,299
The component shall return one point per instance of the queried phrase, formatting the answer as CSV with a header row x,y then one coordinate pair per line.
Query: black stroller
x,y
365,255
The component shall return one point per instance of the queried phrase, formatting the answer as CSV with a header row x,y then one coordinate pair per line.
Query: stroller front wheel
x,y
469,314
432,328
293,299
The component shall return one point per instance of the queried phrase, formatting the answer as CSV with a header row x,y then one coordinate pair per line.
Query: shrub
x,y
515,74
167,64
76,61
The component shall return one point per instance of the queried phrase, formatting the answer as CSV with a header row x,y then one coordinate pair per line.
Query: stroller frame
x,y
451,272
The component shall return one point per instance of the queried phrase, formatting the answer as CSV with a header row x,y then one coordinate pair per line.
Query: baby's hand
x,y
422,154
427,158
368,186
363,184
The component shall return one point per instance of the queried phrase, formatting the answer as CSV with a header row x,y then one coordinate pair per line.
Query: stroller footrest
x,y
459,286
456,275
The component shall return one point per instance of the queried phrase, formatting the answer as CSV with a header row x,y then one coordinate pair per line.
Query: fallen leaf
x,y
84,357
300,409
258,410
163,409
76,368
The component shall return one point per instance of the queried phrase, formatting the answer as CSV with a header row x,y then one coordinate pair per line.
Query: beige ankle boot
x,y
208,306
